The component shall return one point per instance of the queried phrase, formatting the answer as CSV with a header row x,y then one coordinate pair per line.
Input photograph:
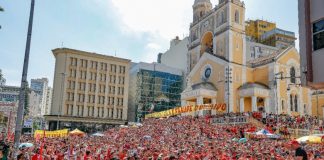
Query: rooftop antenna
x,y
115,53
62,45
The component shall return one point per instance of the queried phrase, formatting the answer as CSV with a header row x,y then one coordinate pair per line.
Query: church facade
x,y
220,70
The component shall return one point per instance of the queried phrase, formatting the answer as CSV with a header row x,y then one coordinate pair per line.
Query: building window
x,y
291,103
67,109
223,17
282,105
113,68
217,20
292,75
296,103
237,16
318,35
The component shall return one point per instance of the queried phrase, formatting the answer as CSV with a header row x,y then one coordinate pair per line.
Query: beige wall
x,y
85,91
319,107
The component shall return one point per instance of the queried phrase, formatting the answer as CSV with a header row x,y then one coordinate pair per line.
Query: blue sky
x,y
133,29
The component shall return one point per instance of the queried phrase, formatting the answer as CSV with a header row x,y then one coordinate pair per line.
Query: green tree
x,y
1,10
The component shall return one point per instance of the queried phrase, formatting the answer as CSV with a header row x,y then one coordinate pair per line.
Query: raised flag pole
x,y
20,112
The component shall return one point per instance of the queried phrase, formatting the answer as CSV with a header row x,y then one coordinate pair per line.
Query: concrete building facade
x,y
176,56
89,89
256,50
318,103
9,100
279,38
311,36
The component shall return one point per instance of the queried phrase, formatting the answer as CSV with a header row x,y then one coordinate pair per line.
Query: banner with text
x,y
51,134
187,109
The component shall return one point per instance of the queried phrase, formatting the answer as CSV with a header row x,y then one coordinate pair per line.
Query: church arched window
x,y
291,103
296,103
292,75
237,16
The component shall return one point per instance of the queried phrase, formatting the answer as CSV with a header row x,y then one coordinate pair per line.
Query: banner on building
x,y
187,109
28,123
51,134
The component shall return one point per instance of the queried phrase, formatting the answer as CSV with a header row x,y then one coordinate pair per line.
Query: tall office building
x,y
40,87
311,36
153,87
34,104
2,79
90,90
256,28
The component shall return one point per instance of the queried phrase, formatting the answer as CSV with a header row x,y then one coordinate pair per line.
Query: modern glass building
x,y
153,87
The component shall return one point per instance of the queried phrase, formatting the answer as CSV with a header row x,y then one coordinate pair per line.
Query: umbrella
x,y
98,134
139,124
309,139
25,145
123,126
77,132
147,137
242,140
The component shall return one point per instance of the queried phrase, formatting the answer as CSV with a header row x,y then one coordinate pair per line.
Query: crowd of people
x,y
166,139
294,122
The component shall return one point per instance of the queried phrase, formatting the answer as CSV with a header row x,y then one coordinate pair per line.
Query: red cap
x,y
294,142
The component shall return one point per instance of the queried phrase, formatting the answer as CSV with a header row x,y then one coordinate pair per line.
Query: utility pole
x,y
317,103
20,112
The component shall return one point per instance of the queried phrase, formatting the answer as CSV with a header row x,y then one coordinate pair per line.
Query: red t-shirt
x,y
37,157
86,157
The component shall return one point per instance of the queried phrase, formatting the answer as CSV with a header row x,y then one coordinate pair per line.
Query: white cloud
x,y
153,46
164,18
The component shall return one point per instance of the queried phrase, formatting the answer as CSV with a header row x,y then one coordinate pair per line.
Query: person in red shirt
x,y
37,156
87,156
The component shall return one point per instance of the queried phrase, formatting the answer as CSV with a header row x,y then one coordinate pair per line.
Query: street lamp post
x,y
20,112
228,80
317,103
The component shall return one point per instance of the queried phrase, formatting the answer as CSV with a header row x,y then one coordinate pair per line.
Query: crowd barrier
x,y
230,120
303,132
247,119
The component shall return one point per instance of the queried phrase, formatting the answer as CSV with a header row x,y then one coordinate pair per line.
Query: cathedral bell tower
x,y
201,8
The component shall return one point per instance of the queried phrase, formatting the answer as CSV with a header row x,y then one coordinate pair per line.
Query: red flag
x,y
42,146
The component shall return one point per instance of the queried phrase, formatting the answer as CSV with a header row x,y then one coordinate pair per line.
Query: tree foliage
x,y
1,9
